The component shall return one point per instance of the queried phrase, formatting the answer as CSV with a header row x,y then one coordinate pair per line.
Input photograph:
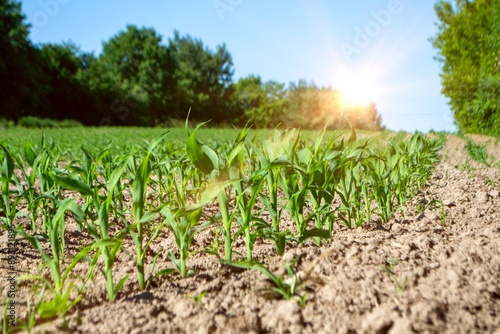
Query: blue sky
x,y
371,49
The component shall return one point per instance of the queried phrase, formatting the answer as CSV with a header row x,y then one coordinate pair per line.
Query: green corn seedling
x,y
272,160
207,161
8,178
183,219
59,286
245,201
141,180
379,176
246,190
182,224
107,246
285,287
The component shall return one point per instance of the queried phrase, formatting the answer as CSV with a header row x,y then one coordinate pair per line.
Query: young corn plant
x,y
318,180
389,267
183,219
352,186
477,152
271,202
183,225
28,323
48,173
295,191
405,170
286,287
349,189
142,217
107,247
61,303
90,169
296,197
207,161
245,201
324,188
422,155
383,188
246,192
321,194
271,158
401,177
296,181
30,178
8,178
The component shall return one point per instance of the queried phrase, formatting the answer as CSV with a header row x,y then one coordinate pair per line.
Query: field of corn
x,y
281,188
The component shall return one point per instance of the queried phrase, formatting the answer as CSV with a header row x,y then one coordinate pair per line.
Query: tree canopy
x,y
468,41
140,79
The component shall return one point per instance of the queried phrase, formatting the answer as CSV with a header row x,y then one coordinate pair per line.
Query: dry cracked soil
x,y
434,268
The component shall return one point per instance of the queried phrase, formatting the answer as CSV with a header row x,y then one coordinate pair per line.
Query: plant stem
x,y
183,253
109,279
140,258
223,204
248,241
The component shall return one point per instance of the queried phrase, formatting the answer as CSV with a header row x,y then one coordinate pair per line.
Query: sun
x,y
357,95
358,89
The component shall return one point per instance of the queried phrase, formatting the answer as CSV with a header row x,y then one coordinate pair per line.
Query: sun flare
x,y
358,89
357,95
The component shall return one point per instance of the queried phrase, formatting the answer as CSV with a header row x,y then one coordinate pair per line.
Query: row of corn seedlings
x,y
158,188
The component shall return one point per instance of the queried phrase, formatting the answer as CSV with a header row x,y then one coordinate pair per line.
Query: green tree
x,y
469,51
204,79
21,78
262,103
306,108
67,94
140,69
103,94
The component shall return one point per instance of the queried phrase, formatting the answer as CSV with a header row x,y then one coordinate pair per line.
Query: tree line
x,y
468,41
138,79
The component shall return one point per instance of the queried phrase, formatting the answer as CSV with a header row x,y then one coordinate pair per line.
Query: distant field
x,y
68,141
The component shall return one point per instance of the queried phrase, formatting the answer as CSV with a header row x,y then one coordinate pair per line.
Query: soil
x,y
434,268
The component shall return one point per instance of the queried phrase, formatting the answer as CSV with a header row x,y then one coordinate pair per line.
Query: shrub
x,y
69,123
5,123
36,122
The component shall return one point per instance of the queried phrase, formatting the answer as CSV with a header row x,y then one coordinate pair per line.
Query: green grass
x,y
477,152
